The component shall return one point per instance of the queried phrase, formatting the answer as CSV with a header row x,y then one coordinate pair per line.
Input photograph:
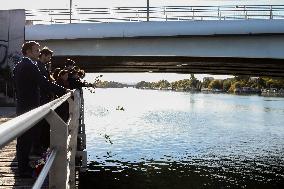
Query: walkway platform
x,y
9,175
9,169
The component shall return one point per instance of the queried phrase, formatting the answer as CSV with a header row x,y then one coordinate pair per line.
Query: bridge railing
x,y
63,138
164,13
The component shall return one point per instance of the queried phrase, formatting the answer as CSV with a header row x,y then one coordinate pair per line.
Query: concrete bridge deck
x,y
243,47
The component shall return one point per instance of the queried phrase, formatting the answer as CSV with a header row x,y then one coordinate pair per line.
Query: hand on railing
x,y
70,91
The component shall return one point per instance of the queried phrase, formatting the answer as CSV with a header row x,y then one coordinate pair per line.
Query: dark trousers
x,y
24,145
44,128
26,141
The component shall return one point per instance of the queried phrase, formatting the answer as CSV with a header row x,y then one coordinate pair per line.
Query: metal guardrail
x,y
45,170
165,13
63,138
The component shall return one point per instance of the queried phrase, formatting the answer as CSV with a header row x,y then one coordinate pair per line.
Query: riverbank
x,y
220,92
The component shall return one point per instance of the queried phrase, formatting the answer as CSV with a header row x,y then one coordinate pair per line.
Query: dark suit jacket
x,y
45,95
28,81
75,83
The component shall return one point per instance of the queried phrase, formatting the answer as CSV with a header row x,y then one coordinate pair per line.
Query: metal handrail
x,y
63,138
45,170
17,126
118,14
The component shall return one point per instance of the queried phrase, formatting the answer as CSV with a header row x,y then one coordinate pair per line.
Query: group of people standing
x,y
37,84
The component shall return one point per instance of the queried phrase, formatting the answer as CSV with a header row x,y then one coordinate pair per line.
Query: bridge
x,y
243,40
218,46
248,47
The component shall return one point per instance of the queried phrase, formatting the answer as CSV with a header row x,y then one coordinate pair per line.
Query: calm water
x,y
165,139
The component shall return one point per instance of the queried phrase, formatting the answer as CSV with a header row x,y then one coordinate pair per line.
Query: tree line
x,y
225,85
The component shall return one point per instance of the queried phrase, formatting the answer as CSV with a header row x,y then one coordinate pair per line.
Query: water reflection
x,y
197,173
180,140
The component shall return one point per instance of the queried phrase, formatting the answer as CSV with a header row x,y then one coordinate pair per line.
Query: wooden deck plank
x,y
9,174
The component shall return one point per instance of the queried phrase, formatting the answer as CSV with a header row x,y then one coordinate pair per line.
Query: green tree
x,y
193,81
215,84
235,86
206,82
163,84
227,84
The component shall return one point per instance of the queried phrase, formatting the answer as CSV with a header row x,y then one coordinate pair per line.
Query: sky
x,y
35,4
126,77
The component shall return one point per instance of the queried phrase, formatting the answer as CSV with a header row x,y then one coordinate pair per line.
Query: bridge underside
x,y
178,64
252,47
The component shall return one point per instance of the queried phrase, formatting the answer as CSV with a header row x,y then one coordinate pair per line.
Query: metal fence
x,y
63,139
165,13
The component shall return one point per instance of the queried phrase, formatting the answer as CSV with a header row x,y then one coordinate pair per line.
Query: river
x,y
164,139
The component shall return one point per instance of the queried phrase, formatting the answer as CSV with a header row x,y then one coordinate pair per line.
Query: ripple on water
x,y
184,141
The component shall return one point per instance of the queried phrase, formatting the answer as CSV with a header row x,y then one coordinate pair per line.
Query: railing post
x,y
74,111
271,12
148,11
70,16
219,13
81,154
246,13
58,175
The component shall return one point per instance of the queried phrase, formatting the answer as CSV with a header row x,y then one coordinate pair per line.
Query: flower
x,y
39,164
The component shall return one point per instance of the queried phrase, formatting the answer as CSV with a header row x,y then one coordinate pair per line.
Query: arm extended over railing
x,y
63,138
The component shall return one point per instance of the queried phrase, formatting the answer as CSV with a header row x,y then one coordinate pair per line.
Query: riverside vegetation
x,y
236,84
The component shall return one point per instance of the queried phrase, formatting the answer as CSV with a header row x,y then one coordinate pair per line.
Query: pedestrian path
x,y
9,175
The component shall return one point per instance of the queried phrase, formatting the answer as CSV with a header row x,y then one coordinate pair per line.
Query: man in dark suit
x,y
28,82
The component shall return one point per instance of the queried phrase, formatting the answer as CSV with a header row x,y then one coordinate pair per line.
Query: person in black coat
x,y
45,97
44,58
28,82
63,109
74,77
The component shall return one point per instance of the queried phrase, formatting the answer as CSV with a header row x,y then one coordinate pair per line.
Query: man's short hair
x,y
28,46
45,51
